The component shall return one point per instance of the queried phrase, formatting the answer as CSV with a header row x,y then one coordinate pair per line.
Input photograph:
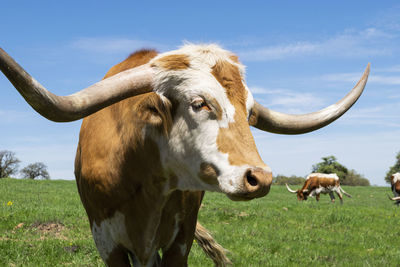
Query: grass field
x,y
42,223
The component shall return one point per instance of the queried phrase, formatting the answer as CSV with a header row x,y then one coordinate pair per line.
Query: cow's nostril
x,y
251,180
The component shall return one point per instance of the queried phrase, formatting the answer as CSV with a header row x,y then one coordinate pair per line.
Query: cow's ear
x,y
157,111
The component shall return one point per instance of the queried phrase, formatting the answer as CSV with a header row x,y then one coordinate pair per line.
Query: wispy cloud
x,y
388,19
280,51
373,78
15,116
395,68
390,80
287,100
380,115
349,43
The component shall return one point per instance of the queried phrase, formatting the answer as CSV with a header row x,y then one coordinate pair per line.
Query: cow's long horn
x,y
281,123
394,198
290,190
83,103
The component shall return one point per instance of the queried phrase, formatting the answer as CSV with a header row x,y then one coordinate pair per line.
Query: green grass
x,y
46,225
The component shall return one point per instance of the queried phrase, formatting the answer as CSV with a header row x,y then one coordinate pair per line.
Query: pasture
x,y
42,223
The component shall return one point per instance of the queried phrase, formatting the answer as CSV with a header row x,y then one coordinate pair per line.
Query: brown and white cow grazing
x,y
317,183
158,131
395,184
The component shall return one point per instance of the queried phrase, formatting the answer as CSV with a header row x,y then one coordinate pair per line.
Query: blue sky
x,y
300,56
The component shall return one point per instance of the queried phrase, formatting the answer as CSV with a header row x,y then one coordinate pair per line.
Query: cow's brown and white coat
x,y
395,185
158,130
317,183
177,137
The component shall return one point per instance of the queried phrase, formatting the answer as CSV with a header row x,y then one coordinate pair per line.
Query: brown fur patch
x,y
136,59
228,75
173,62
396,186
234,58
208,173
236,140
314,182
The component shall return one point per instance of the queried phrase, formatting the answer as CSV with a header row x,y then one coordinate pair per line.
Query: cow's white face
x,y
210,146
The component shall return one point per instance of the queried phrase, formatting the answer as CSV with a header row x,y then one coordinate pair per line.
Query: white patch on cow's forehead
x,y
396,177
204,54
323,175
197,79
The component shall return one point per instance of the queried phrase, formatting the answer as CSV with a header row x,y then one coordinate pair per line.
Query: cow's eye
x,y
200,104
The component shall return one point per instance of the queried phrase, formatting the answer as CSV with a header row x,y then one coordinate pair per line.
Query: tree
x,y
347,177
330,165
8,163
395,168
35,170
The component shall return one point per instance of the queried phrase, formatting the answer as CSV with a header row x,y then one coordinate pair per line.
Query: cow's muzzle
x,y
256,183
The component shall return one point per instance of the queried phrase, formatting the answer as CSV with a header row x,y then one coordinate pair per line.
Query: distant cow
x,y
317,183
395,181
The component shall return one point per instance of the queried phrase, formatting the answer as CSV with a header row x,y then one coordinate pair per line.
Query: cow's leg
x,y
156,260
177,253
111,253
339,195
117,258
332,196
395,194
317,197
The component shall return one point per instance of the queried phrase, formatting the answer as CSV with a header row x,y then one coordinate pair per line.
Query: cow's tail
x,y
347,194
213,250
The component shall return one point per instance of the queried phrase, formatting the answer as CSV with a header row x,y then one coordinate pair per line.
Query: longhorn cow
x,y
395,184
317,183
158,131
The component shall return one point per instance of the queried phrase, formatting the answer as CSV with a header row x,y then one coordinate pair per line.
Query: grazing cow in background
x,y
158,131
395,184
317,183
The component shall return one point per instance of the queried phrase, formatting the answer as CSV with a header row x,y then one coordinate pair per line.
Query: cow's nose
x,y
257,182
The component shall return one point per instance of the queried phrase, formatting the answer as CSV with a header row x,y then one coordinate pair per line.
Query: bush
x,y
292,180
354,178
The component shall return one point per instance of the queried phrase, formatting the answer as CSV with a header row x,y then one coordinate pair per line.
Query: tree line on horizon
x,y
347,176
9,166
